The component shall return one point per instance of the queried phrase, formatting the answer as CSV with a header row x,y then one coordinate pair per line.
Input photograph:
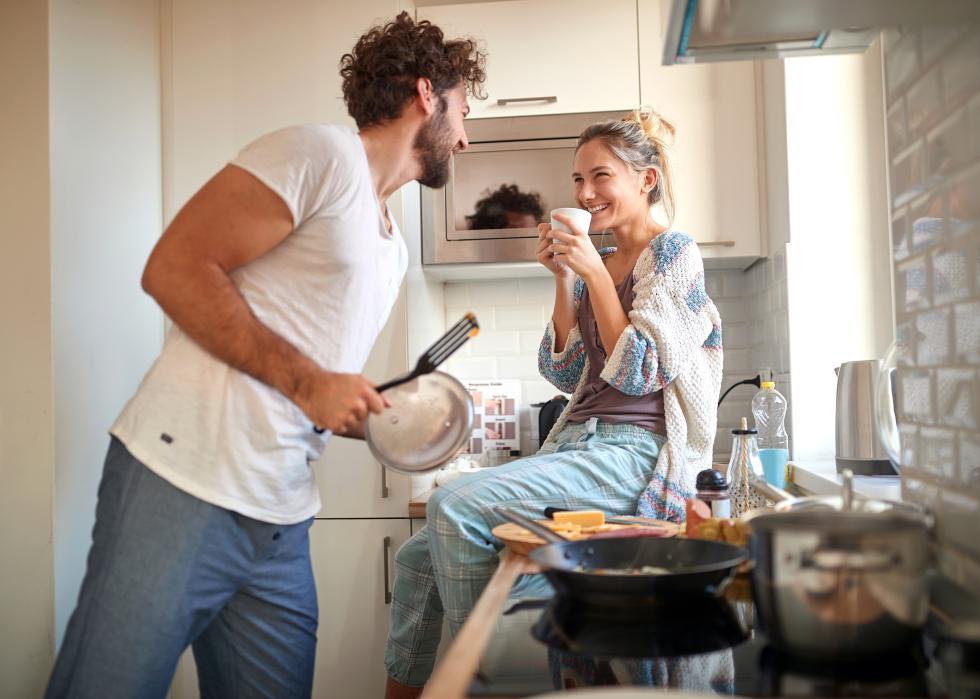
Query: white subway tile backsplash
x,y
456,295
969,453
712,284
513,315
472,367
737,360
524,317
538,391
537,290
735,336
933,346
935,181
908,439
518,367
967,324
484,315
499,343
938,453
912,279
531,341
951,273
735,284
957,396
733,310
916,396
493,293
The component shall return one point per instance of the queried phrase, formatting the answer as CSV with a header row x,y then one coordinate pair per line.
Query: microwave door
x,y
497,194
505,189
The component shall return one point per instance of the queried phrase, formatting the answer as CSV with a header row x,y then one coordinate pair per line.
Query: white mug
x,y
580,217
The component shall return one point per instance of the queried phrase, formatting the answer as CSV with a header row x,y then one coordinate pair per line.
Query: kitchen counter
x,y
821,478
416,506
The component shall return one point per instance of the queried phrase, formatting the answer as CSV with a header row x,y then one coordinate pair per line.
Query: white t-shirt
x,y
328,288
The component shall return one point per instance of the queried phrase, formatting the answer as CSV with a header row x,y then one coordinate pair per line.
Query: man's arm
x,y
232,220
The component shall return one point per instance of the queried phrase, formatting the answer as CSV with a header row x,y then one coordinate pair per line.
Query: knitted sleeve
x,y
672,318
563,369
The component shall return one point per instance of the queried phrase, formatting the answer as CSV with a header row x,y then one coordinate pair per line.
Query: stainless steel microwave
x,y
516,170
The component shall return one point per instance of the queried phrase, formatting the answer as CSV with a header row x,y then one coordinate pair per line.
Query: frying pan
x,y
597,569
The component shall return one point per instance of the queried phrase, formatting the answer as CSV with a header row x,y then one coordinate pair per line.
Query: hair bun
x,y
657,129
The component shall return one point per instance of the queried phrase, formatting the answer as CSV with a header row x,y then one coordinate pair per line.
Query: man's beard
x,y
435,148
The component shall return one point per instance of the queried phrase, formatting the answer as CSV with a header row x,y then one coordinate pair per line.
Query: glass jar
x,y
713,491
744,466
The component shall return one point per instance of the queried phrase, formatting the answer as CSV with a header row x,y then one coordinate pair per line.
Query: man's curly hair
x,y
492,209
379,73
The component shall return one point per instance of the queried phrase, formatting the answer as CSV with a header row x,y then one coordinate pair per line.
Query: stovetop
x,y
703,644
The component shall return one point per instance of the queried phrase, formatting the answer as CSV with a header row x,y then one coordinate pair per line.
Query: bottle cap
x,y
769,384
710,479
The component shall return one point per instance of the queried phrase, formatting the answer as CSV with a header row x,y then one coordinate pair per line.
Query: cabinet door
x,y
715,154
582,54
352,482
349,562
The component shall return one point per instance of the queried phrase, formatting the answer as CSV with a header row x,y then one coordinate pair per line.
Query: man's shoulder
x,y
338,141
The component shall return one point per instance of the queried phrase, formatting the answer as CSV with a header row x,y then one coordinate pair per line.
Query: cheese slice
x,y
583,518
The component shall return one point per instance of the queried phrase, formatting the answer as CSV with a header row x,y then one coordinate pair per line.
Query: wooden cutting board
x,y
519,540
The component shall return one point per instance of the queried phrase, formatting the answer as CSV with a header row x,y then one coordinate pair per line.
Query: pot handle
x,y
834,560
529,524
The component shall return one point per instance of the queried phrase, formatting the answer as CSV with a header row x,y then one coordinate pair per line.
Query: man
x,y
278,274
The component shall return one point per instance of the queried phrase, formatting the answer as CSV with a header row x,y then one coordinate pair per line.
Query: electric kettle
x,y
859,447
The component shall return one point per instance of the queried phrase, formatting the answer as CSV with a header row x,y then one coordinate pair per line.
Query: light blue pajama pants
x,y
443,569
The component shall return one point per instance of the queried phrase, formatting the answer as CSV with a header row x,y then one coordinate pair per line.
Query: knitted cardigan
x,y
673,343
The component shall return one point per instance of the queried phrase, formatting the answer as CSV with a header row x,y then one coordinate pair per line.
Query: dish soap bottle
x,y
769,411
744,465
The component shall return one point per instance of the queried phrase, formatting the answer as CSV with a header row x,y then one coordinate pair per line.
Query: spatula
x,y
439,352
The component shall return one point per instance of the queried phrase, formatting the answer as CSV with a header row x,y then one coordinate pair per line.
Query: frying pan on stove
x,y
611,571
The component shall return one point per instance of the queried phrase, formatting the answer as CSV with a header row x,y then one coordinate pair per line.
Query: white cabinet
x,y
351,559
582,54
351,481
716,151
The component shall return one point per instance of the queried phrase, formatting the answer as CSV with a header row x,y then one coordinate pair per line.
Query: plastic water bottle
x,y
769,411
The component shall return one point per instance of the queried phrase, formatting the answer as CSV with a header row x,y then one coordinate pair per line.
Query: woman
x,y
641,420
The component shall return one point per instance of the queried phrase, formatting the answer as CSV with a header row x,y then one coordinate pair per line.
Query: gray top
x,y
599,399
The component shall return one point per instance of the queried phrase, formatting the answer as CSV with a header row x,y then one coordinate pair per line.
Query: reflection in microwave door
x,y
506,207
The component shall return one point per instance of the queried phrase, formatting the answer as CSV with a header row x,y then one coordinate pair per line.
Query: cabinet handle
x,y
386,552
384,481
716,243
551,99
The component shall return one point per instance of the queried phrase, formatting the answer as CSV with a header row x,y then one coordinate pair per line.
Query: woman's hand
x,y
546,257
575,249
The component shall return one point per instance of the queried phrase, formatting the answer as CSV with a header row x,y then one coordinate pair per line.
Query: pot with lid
x,y
835,577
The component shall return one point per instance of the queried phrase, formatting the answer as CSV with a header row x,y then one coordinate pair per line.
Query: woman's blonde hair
x,y
641,139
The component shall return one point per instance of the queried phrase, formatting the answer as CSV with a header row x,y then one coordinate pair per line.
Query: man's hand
x,y
339,402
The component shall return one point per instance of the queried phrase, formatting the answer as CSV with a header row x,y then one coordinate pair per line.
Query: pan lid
x,y
429,421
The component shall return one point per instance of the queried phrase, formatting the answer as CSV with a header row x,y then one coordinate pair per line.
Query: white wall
x,y
838,256
105,218
26,423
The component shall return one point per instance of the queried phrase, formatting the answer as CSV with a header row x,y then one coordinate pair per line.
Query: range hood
x,y
699,31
